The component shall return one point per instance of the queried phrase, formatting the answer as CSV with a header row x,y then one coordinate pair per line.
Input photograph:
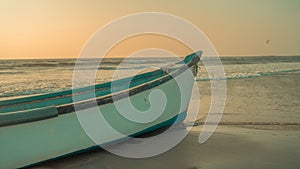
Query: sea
x,y
19,78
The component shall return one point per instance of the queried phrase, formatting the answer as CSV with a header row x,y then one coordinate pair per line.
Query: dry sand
x,y
260,129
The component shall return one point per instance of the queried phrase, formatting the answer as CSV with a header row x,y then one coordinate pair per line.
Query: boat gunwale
x,y
86,89
109,98
69,92
105,99
65,93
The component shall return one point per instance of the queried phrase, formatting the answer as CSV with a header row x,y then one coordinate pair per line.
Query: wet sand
x,y
260,128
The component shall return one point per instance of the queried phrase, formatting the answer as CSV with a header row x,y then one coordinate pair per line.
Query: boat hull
x,y
29,143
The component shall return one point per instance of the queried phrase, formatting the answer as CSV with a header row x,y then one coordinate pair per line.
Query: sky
x,y
59,29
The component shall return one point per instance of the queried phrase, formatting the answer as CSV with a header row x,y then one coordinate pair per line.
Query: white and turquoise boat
x,y
42,127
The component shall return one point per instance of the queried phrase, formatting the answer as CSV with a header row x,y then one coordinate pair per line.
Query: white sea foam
x,y
236,71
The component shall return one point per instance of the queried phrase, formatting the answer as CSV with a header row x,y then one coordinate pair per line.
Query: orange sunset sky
x,y
60,28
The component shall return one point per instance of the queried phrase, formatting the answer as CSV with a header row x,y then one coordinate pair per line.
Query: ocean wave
x,y
243,75
258,60
26,77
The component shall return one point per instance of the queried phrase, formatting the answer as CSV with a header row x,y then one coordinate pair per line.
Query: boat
x,y
42,127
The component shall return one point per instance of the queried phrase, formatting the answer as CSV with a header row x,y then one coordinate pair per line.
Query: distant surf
x,y
28,77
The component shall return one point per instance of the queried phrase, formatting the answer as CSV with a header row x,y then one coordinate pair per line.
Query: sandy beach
x,y
259,129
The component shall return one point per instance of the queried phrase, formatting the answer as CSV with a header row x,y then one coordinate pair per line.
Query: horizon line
x,y
75,57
